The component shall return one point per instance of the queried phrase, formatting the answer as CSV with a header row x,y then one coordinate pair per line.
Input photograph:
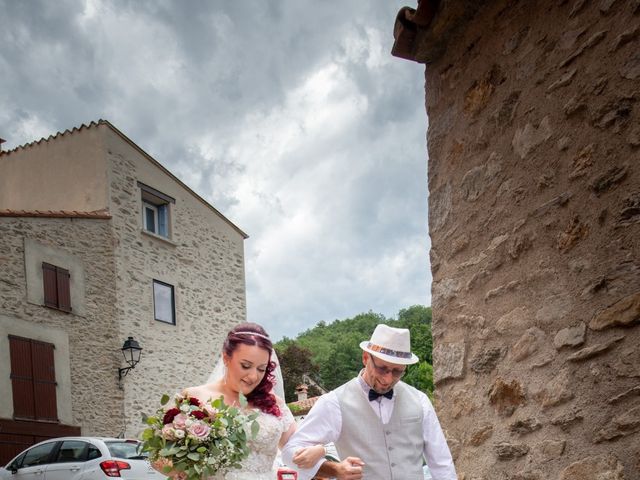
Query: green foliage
x,y
420,376
295,361
334,349
418,320
295,409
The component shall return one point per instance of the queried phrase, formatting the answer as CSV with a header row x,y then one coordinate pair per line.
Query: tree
x,y
334,348
295,361
420,376
418,320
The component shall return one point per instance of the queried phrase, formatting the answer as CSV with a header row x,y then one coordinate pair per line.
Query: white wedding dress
x,y
259,464
263,449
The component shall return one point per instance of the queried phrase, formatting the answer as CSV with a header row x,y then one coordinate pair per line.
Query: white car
x,y
81,458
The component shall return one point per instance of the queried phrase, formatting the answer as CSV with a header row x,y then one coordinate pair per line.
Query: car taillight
x,y
111,468
286,474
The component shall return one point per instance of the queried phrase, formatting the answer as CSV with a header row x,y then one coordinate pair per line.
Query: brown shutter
x,y
33,379
22,377
44,381
64,292
50,279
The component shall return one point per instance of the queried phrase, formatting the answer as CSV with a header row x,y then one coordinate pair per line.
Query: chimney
x,y
2,140
301,391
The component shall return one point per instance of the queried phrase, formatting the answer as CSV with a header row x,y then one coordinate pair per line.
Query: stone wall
x,y
94,355
203,260
534,181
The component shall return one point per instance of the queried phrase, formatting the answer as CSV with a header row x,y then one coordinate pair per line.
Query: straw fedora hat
x,y
390,344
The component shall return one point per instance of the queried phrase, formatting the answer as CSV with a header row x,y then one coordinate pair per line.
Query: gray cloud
x,y
290,117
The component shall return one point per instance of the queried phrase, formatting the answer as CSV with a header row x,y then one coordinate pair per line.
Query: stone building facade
x,y
147,258
534,217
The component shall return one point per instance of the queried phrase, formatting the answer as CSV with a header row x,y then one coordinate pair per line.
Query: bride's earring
x,y
224,374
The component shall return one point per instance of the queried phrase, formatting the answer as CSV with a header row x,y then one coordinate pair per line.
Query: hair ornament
x,y
266,337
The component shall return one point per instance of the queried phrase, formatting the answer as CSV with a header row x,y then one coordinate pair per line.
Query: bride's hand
x,y
163,462
307,457
160,463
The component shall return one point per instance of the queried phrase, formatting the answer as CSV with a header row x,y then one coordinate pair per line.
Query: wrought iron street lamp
x,y
131,351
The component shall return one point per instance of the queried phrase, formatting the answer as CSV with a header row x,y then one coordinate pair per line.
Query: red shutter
x,y
33,379
21,377
49,277
57,291
44,381
64,292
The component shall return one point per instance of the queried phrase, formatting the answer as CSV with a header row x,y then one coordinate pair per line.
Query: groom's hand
x,y
348,469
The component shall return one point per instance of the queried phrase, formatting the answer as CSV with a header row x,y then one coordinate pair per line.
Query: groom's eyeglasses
x,y
395,372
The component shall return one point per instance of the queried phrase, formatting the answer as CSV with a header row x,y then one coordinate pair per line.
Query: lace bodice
x,y
259,463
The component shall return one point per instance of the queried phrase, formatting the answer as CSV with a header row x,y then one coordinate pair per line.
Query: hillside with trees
x,y
331,355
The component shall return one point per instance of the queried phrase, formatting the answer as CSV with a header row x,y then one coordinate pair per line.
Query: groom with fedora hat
x,y
382,428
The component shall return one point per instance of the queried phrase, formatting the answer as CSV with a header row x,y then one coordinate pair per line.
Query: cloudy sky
x,y
289,116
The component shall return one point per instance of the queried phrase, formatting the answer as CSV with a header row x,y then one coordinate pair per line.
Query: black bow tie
x,y
373,395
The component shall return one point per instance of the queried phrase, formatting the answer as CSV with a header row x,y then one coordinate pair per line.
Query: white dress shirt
x,y
323,425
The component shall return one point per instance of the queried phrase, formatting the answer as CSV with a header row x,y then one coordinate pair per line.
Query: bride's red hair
x,y
261,396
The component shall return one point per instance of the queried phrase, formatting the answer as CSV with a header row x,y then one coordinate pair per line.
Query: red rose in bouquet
x,y
170,415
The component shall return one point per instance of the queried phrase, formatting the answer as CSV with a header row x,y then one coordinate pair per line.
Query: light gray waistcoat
x,y
392,451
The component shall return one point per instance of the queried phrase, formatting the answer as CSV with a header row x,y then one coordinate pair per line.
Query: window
x,y
17,463
33,379
93,452
57,293
156,219
72,451
164,305
38,455
125,449
156,209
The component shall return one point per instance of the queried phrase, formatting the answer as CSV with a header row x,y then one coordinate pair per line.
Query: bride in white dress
x,y
247,367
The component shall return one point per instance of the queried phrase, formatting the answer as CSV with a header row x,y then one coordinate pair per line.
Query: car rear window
x,y
124,449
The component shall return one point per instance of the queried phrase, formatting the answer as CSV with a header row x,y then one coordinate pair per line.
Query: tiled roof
x,y
98,214
54,136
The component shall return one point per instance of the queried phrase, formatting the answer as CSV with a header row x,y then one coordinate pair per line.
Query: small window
x,y
93,452
17,463
57,291
156,210
164,305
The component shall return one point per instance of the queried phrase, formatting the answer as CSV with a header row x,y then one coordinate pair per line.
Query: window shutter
x,y
44,381
64,291
49,277
22,377
33,379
